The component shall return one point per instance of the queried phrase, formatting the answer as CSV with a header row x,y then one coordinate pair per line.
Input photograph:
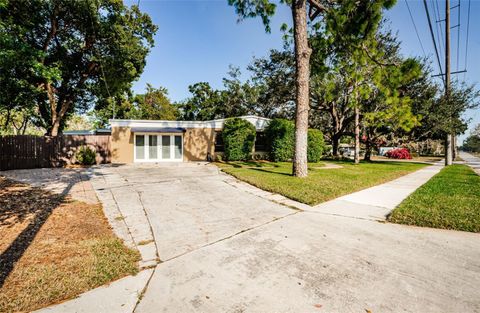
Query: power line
x,y
466,43
438,27
433,36
458,37
415,27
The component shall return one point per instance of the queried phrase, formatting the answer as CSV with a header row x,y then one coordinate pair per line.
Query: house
x,y
169,141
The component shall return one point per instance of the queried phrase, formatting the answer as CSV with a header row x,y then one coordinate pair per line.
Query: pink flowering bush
x,y
401,153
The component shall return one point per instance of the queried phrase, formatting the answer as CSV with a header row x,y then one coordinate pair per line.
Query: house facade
x,y
135,141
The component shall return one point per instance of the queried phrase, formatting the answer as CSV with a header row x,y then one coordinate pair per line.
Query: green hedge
x,y
280,136
316,145
238,139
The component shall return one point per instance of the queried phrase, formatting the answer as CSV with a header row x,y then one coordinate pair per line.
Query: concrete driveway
x,y
222,249
210,245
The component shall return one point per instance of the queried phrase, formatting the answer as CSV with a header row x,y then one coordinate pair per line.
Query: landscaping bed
x,y
321,184
450,200
53,248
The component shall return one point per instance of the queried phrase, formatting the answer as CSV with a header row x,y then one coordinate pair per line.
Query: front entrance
x,y
158,148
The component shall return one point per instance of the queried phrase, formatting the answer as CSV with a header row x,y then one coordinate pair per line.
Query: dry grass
x,y
53,249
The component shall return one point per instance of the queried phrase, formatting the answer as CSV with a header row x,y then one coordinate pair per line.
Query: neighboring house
x,y
169,141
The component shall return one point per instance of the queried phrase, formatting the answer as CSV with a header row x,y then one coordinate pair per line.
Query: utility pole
x,y
449,137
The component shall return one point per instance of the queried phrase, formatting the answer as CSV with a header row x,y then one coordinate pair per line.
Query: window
x,y
178,147
140,147
158,147
261,142
219,142
165,147
152,147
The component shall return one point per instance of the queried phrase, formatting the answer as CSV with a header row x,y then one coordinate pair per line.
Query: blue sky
x,y
197,40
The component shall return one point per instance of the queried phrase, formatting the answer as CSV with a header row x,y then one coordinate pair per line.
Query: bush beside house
x,y
280,136
238,139
85,155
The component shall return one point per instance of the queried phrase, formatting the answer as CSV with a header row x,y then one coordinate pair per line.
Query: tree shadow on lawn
x,y
19,202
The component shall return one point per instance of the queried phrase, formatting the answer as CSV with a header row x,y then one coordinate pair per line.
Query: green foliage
x,y
274,78
280,136
85,155
61,56
239,138
235,99
472,143
154,104
316,145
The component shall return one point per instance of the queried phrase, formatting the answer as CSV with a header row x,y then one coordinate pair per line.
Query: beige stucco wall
x,y
122,145
197,142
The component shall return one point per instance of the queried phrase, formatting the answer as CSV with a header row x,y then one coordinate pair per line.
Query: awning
x,y
158,130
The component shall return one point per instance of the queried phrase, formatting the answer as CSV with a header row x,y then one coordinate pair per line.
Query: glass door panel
x,y
178,147
152,147
165,147
140,147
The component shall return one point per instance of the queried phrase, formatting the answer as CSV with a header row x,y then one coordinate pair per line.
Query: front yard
x,y
325,181
450,200
52,248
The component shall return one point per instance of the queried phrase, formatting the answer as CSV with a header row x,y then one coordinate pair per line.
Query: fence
x,y
18,152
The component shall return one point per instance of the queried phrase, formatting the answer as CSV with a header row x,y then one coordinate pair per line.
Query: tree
x,y
155,105
78,52
205,103
344,19
274,79
472,143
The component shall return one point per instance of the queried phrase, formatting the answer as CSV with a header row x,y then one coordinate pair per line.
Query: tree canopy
x,y
61,56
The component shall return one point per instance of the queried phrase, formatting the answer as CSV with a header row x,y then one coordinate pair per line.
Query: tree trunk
x,y
454,147
368,151
335,143
448,149
357,134
302,61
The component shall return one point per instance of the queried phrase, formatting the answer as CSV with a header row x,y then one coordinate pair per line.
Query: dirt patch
x,y
53,248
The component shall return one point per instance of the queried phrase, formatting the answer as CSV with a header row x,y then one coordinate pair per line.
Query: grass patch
x,y
52,249
450,200
320,185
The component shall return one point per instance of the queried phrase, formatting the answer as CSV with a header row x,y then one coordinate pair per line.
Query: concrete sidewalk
x,y
471,160
377,202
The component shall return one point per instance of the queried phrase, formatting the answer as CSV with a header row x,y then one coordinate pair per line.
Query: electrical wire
x,y
466,42
415,27
433,38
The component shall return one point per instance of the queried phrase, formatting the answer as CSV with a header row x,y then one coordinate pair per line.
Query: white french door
x,y
158,148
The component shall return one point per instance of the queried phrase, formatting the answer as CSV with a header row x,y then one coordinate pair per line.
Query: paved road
x,y
471,160
223,249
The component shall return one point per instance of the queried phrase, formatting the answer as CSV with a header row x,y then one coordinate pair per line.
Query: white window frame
x,y
159,147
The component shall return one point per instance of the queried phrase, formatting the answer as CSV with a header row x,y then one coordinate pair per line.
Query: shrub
x,y
280,138
238,139
85,155
316,145
400,153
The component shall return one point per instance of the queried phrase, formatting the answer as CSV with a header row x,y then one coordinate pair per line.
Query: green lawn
x,y
450,200
321,184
